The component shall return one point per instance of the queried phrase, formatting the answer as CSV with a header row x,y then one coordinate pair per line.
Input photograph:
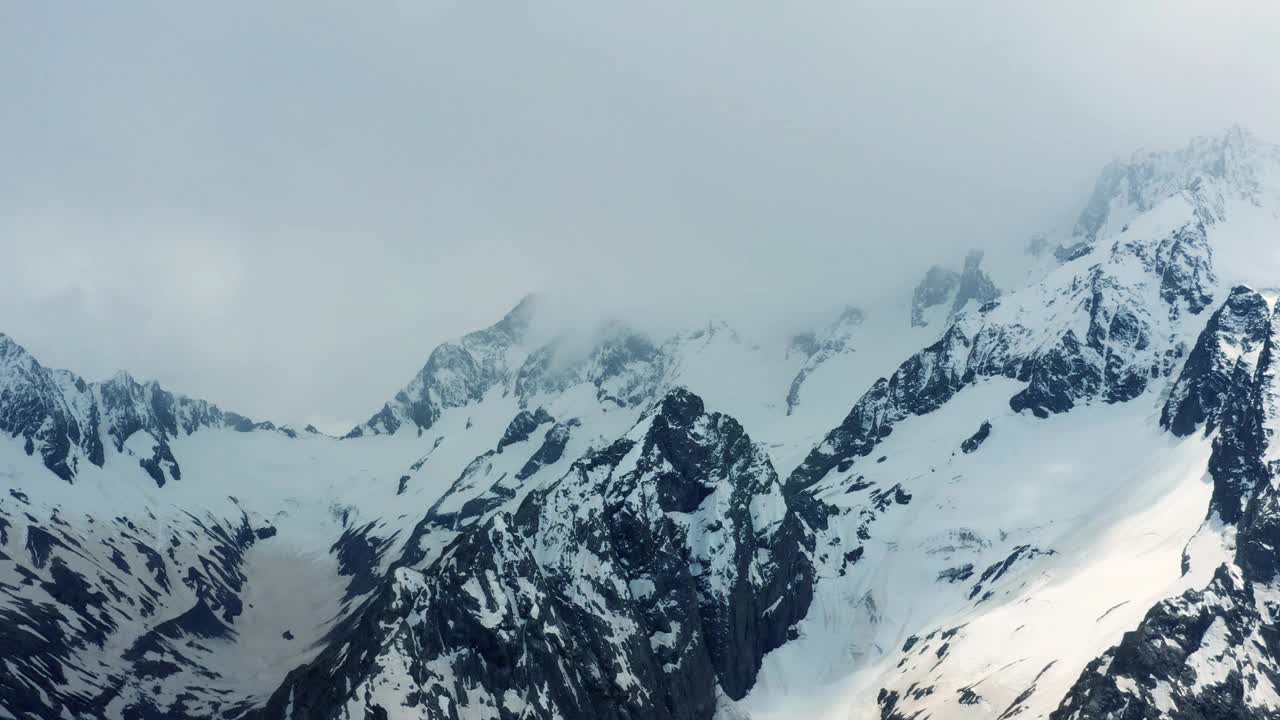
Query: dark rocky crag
x,y
1212,653
1125,344
68,420
656,570
941,286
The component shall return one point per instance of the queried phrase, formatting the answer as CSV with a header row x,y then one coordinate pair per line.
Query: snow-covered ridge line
x,y
1102,326
1236,159
1146,283
622,367
529,529
69,421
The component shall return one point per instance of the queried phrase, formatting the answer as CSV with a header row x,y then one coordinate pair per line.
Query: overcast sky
x,y
284,206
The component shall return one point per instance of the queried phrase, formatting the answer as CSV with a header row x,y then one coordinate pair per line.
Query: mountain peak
x,y
944,287
518,318
679,406
9,348
1237,162
66,420
623,548
456,373
122,378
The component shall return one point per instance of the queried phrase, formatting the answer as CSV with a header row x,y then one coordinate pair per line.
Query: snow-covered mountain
x,y
1047,492
951,292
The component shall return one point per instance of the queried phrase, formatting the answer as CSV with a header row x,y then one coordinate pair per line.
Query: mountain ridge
x,y
524,531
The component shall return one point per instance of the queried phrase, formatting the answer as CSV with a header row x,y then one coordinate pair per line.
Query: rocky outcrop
x,y
1106,341
937,287
70,421
974,441
1225,353
971,287
975,287
625,367
659,569
523,425
551,450
1202,656
456,374
1212,653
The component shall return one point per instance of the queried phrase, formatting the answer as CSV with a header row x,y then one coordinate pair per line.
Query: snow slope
x,y
1043,491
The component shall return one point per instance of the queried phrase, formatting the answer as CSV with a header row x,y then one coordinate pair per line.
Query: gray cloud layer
x,y
284,207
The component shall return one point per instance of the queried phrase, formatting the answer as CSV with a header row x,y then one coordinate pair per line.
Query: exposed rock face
x,y
658,569
1205,655
523,425
627,369
556,564
1212,653
64,658
1114,330
974,441
1230,342
456,373
975,286
67,420
941,286
936,288
551,450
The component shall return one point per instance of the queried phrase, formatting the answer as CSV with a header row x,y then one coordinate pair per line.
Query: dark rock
x,y
956,574
359,554
1207,377
935,288
523,425
974,441
716,609
552,449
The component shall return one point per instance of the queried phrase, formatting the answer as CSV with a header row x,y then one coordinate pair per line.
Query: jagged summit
x,y
121,377
1237,163
650,578
455,374
515,324
622,366
68,420
8,345
1101,327
993,514
953,291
